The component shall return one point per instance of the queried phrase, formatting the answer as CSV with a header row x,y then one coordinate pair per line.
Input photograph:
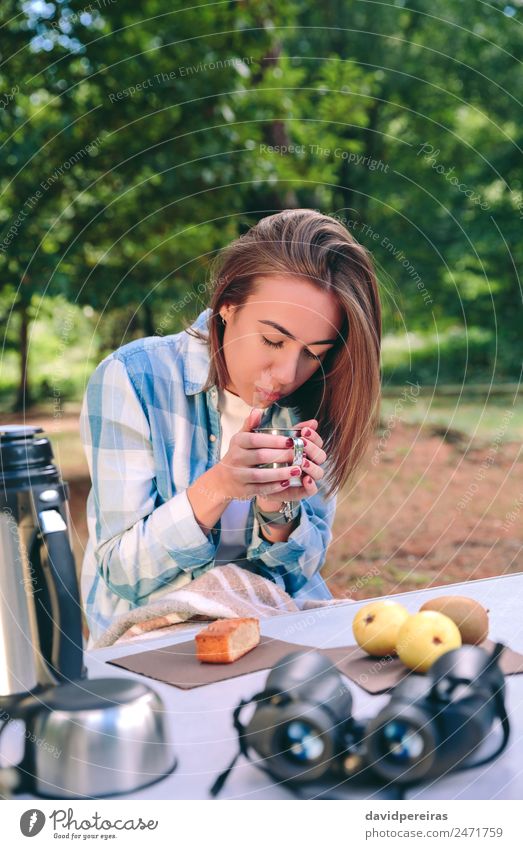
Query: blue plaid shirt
x,y
149,431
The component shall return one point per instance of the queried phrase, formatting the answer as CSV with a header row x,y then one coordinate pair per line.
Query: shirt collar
x,y
197,361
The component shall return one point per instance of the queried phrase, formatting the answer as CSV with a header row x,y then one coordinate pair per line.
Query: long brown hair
x,y
343,395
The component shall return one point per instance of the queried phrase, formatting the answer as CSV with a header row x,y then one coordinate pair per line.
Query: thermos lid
x,y
24,455
9,432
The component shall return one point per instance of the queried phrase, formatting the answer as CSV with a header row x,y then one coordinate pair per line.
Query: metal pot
x,y
93,739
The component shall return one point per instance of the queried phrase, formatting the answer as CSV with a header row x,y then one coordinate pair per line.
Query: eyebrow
x,y
291,336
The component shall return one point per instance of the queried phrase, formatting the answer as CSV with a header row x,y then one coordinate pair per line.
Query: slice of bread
x,y
225,640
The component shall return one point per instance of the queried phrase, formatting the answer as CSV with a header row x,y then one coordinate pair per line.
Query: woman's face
x,y
262,358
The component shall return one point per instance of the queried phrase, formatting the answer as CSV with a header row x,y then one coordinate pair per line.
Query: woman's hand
x,y
241,479
239,476
314,457
236,476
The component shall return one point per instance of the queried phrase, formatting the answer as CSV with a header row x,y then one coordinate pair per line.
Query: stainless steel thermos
x,y
40,613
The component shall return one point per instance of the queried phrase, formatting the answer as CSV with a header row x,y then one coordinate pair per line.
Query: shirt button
x,y
212,437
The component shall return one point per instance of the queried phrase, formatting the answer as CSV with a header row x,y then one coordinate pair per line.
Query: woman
x,y
291,338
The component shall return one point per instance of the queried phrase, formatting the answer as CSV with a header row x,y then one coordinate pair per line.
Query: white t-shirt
x,y
233,412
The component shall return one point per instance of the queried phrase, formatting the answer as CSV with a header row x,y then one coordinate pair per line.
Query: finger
x,y
254,475
314,451
311,423
276,492
261,440
297,493
264,456
308,430
252,420
309,485
282,490
312,470
312,436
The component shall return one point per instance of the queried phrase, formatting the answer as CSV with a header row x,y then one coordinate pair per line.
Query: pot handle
x,y
18,778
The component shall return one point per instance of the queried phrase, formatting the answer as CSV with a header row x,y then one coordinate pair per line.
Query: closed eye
x,y
308,353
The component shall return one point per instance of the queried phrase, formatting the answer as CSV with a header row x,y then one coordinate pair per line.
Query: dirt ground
x,y
426,509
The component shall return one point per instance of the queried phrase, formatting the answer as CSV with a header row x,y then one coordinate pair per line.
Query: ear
x,y
227,310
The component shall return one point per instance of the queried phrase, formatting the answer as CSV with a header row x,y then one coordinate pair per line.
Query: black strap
x,y
505,724
222,778
243,750
501,712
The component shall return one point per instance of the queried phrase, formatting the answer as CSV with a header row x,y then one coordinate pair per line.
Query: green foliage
x,y
64,348
452,357
139,139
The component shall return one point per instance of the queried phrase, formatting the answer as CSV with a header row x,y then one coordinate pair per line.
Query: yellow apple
x,y
424,637
375,626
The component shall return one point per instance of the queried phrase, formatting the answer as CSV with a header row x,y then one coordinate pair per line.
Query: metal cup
x,y
299,446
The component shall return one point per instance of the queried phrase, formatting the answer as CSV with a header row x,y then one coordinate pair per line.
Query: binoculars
x,y
302,730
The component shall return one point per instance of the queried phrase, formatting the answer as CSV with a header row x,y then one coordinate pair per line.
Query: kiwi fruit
x,y
469,615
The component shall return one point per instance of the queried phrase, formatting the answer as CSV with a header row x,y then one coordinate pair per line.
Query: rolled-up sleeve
x,y
301,555
140,542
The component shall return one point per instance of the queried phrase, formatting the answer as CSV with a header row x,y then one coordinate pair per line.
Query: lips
x,y
270,396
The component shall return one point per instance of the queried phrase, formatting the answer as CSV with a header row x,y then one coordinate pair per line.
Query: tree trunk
x,y
147,317
275,133
23,395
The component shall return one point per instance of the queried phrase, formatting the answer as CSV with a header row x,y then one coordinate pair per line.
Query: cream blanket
x,y
225,592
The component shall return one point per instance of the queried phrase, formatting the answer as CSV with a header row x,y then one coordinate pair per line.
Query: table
x,y
201,718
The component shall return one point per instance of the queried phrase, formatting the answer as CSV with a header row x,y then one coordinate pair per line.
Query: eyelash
x,y
279,345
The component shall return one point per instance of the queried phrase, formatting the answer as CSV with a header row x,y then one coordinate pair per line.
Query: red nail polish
x,y
306,432
290,442
284,483
295,472
306,464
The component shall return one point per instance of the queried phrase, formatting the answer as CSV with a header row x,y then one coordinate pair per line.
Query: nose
x,y
284,373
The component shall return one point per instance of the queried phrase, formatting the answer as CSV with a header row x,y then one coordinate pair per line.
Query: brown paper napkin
x,y
177,664
379,675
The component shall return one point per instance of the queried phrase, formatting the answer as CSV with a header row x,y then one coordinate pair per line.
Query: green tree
x,y
124,127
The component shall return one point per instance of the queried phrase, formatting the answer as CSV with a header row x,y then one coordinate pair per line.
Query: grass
x,y
498,417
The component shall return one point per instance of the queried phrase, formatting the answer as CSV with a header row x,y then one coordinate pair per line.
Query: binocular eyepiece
x,y
302,729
